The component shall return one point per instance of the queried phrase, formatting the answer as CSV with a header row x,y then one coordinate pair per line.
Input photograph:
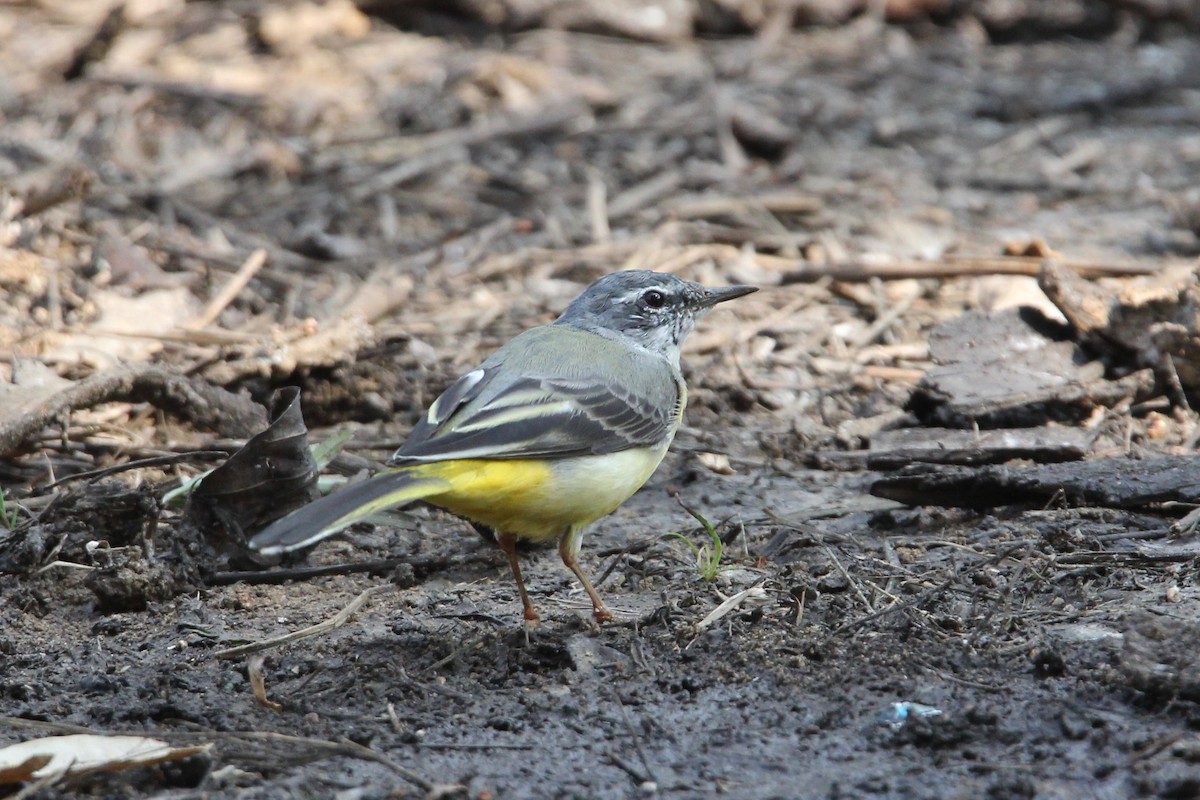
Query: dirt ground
x,y
248,196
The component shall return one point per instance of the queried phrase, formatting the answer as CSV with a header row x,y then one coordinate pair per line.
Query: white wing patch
x,y
447,403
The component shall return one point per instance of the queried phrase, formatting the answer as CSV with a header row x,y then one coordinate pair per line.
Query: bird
x,y
549,434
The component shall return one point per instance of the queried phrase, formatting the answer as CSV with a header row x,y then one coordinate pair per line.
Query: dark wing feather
x,y
541,417
450,402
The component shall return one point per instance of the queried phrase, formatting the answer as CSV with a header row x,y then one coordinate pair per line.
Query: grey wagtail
x,y
554,431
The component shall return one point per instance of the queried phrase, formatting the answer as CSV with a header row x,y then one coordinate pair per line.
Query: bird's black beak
x,y
713,296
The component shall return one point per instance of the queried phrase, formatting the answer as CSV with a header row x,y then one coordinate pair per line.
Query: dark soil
x,y
882,650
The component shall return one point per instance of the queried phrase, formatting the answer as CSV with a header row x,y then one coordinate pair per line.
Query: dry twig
x,y
230,290
202,403
333,622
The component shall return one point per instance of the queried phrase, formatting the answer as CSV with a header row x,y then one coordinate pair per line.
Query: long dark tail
x,y
330,514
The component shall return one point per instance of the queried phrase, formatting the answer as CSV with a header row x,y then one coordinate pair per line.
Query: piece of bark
x,y
898,448
1085,304
1001,370
205,405
1108,483
1152,322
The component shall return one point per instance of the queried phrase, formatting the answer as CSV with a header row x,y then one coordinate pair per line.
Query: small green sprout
x,y
708,556
8,516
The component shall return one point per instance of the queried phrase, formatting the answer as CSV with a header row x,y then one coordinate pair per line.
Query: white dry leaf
x,y
905,237
29,384
524,85
299,26
715,462
754,596
1002,292
762,346
129,329
81,753
23,271
135,49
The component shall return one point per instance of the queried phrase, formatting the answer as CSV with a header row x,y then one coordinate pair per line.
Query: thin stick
x,y
286,574
597,207
183,89
854,584
232,288
637,744
644,194
343,747
459,746
333,622
258,686
141,463
797,271
198,401
916,600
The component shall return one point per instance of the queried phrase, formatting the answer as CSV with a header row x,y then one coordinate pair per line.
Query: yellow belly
x,y
540,500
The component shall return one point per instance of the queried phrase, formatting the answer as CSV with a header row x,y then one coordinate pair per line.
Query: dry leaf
x,y
81,753
127,328
296,27
715,462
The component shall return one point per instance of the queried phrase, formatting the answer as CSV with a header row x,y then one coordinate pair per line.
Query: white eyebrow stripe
x,y
629,298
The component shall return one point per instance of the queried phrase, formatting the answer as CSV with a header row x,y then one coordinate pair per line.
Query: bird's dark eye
x,y
654,298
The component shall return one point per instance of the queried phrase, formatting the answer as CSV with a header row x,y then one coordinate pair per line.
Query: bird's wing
x,y
544,416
